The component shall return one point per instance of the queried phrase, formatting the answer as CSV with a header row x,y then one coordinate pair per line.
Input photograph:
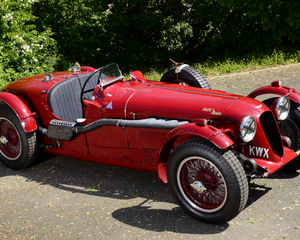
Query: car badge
x,y
109,106
212,111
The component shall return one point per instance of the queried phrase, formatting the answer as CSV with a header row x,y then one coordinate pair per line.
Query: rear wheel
x,y
18,149
188,76
209,183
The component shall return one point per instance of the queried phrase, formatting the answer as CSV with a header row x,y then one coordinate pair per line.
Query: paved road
x,y
63,198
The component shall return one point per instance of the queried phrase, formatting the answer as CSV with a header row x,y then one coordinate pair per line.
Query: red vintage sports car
x,y
204,143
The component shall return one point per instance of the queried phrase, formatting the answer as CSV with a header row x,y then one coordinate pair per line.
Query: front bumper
x,y
270,166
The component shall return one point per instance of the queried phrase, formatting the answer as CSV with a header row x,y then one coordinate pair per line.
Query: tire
x,y
188,76
210,184
18,149
290,128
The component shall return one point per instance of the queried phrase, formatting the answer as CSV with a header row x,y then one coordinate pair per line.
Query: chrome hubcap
x,y
198,186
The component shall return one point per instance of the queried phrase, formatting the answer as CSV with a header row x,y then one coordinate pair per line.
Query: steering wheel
x,y
91,89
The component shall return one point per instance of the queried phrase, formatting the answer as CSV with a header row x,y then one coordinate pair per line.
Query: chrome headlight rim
x,y
247,129
282,108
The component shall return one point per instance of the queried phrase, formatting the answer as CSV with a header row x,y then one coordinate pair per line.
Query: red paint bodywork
x,y
144,148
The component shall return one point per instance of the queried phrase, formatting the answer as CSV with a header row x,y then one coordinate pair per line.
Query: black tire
x,y
188,76
209,183
18,149
290,128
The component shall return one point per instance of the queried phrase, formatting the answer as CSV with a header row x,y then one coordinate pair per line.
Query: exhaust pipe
x,y
143,123
67,131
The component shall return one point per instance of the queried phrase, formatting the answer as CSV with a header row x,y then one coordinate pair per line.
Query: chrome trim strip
x,y
127,103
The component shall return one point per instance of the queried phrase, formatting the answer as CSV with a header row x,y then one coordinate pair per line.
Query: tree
x,y
77,26
239,27
134,33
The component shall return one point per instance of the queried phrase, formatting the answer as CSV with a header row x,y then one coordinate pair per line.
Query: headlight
x,y
282,108
247,129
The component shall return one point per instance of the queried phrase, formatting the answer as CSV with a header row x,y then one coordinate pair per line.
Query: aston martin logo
x,y
212,111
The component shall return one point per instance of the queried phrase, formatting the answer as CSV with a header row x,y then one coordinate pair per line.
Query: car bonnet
x,y
179,102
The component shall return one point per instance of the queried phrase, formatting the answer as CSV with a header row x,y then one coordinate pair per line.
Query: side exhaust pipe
x,y
67,131
143,123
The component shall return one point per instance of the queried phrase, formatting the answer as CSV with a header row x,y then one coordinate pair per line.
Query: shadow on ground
x,y
92,179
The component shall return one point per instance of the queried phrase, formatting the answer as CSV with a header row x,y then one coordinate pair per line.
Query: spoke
x,y
213,199
4,127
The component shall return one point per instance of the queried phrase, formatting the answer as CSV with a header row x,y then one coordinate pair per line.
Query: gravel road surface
x,y
64,198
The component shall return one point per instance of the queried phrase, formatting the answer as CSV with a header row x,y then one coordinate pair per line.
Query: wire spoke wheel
x,y
290,130
10,144
202,184
209,183
18,149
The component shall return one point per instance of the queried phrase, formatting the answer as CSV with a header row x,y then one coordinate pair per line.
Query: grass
x,y
250,62
235,64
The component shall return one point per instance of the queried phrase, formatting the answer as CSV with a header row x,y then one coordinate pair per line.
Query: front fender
x,y
208,132
212,134
21,110
291,93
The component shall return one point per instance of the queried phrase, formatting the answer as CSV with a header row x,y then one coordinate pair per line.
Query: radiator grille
x,y
271,131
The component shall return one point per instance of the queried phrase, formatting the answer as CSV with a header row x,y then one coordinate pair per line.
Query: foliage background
x,y
24,51
46,35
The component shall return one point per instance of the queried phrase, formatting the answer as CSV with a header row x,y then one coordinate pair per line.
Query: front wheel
x,y
18,149
209,183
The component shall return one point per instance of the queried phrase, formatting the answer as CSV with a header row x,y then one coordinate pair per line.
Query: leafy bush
x,y
23,50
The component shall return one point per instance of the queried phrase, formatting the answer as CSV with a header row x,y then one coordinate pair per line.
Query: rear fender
x,y
275,88
21,110
212,134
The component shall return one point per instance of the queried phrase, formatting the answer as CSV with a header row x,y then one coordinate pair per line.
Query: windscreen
x,y
111,71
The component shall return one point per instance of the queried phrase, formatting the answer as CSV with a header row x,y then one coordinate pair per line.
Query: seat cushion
x,y
64,99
